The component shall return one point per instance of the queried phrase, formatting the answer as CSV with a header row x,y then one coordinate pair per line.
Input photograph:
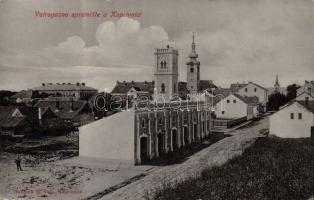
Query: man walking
x,y
18,164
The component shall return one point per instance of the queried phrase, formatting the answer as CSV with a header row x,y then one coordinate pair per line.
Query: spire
x,y
193,53
277,79
277,84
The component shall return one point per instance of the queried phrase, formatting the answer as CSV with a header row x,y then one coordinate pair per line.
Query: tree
x,y
292,91
275,101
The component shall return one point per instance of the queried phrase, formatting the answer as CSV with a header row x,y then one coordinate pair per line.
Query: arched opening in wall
x,y
162,88
160,144
194,132
174,139
186,135
144,149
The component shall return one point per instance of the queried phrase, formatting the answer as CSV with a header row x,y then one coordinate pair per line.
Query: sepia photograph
x,y
157,99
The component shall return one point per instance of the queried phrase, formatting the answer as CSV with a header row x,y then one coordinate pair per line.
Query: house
x,y
235,106
133,89
305,96
294,120
308,87
76,112
251,89
24,120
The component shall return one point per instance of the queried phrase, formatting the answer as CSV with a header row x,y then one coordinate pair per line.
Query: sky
x,y
237,40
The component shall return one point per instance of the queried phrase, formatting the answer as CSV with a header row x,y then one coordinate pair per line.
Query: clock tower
x,y
166,74
193,71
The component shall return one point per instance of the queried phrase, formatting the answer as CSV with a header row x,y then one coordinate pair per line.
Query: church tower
x,y
193,71
166,74
277,86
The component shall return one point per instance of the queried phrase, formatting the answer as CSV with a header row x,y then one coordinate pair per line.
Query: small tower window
x,y
162,88
143,123
191,69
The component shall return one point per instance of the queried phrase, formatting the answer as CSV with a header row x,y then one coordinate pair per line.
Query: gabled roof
x,y
309,105
66,110
23,94
124,87
222,91
237,86
246,100
206,84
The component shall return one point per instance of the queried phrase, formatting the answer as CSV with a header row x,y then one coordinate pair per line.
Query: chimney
x,y
43,84
39,115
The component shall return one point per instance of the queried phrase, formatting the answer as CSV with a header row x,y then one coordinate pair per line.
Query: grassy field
x,y
272,168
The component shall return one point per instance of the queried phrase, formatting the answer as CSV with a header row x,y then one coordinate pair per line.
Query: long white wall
x,y
111,137
283,126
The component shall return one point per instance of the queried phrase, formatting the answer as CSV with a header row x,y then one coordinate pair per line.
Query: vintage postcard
x,y
157,99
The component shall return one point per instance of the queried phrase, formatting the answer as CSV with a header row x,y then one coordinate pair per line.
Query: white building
x,y
251,89
235,106
294,120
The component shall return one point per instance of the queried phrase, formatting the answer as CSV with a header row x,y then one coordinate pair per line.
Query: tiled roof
x,y
63,87
237,86
222,91
124,87
12,122
309,105
247,100
206,84
66,109
234,87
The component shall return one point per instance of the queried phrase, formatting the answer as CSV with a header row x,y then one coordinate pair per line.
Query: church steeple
x,y
193,54
277,86
193,70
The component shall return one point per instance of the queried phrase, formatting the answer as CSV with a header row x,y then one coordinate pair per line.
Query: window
x,y
228,101
291,116
300,115
162,88
163,64
255,89
160,121
143,123
306,98
245,89
222,112
234,101
173,120
191,69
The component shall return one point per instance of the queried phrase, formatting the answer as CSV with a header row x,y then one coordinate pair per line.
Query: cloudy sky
x,y
237,40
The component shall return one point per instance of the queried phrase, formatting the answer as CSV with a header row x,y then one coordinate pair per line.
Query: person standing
x,y
18,163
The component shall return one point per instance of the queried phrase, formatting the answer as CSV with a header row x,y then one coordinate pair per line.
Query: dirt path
x,y
216,154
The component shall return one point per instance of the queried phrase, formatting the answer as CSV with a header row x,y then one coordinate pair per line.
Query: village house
x,y
235,106
25,120
133,89
294,120
251,89
306,92
76,112
78,91
160,126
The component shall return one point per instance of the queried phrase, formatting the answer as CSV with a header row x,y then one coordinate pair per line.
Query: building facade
x,y
145,134
78,91
295,120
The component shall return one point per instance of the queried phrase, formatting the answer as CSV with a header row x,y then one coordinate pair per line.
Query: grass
x,y
272,168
